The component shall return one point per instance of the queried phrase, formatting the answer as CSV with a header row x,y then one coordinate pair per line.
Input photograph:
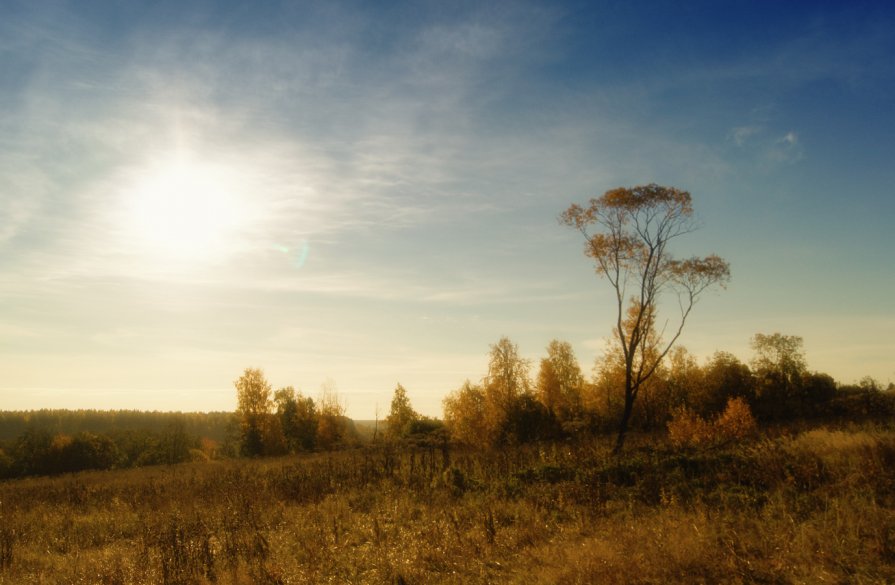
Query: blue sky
x,y
363,194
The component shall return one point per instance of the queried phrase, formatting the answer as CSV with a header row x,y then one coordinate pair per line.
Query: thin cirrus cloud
x,y
741,134
395,173
787,149
769,149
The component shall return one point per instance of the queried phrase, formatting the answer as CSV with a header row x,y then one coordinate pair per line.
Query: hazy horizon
x,y
334,192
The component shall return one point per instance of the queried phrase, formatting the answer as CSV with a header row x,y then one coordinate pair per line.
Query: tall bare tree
x,y
627,232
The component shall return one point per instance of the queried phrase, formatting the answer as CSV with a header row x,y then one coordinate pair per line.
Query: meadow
x,y
810,505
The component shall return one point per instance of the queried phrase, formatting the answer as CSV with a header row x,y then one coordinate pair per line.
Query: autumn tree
x,y
503,409
559,382
681,377
627,232
332,426
506,383
779,355
723,377
298,418
175,443
778,364
464,413
784,387
253,407
603,398
606,397
31,451
670,387
399,422
85,450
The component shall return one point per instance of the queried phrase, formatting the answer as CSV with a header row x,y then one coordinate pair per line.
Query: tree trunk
x,y
623,424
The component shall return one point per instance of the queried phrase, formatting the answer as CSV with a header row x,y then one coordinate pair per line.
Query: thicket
x,y
720,400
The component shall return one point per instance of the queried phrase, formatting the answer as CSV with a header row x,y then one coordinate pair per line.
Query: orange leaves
x,y
633,227
687,429
736,422
615,252
696,274
575,216
635,199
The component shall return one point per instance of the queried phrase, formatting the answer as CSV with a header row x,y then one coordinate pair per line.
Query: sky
x,y
361,194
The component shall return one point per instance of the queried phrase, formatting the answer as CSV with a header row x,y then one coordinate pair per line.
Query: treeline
x,y
509,406
213,425
724,396
41,450
286,421
48,442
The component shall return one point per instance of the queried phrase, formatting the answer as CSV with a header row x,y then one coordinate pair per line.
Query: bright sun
x,y
185,212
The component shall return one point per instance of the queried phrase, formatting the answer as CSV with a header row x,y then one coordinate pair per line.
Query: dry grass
x,y
817,507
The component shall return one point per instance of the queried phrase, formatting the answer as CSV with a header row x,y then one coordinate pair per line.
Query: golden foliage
x,y
253,393
401,414
688,429
560,381
633,227
464,414
736,422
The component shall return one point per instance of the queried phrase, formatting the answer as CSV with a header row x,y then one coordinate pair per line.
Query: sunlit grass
x,y
813,507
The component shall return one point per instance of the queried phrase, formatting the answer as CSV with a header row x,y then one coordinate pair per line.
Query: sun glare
x,y
182,211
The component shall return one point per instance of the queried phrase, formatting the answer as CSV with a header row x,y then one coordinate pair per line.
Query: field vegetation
x,y
787,506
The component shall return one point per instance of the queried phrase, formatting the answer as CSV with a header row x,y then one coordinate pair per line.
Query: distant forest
x,y
212,425
49,442
722,401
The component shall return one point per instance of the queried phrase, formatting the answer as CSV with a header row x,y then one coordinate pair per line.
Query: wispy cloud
x,y
325,139
766,149
786,149
384,166
741,134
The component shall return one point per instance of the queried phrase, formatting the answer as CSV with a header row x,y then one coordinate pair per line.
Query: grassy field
x,y
816,506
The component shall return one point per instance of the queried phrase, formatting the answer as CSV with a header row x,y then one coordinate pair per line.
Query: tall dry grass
x,y
811,507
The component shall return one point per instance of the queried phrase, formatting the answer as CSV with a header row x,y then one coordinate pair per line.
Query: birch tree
x,y
627,232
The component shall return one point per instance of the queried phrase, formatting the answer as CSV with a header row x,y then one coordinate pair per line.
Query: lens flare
x,y
297,256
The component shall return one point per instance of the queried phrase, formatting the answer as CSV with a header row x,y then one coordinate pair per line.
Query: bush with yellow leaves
x,y
688,429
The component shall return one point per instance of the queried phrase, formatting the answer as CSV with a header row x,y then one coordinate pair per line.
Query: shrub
x,y
688,429
736,422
